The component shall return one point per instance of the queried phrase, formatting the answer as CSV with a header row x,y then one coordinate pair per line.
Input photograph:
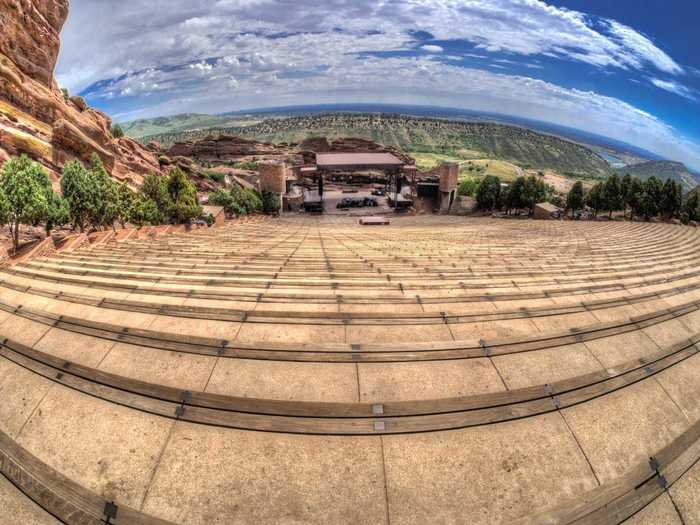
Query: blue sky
x,y
609,67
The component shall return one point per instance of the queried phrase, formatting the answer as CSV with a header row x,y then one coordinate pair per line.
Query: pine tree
x,y
183,197
575,198
489,192
79,189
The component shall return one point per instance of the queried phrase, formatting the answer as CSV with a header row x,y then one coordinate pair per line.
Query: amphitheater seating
x,y
311,370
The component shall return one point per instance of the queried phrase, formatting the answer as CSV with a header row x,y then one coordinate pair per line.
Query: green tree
x,y
625,186
634,197
145,211
155,188
514,197
575,198
534,190
468,187
58,212
595,198
24,185
613,198
106,206
270,202
671,199
117,131
489,192
691,206
79,189
651,199
183,196
4,209
225,199
126,202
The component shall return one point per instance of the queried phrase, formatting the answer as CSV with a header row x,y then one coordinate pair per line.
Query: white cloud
x,y
674,87
229,54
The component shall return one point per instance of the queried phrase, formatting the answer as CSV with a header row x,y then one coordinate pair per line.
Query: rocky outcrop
x,y
358,145
224,148
35,117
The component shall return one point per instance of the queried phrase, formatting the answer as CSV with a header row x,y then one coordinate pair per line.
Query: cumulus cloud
x,y
432,48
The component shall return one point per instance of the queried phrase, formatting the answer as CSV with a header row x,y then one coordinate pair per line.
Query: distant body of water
x,y
614,161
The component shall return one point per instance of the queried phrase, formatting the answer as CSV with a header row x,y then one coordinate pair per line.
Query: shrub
x,y
248,165
467,187
145,211
210,219
270,202
216,176
183,197
223,198
117,131
156,189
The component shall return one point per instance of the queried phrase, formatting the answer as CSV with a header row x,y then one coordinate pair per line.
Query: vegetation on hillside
x,y
144,128
663,170
237,201
453,139
90,198
646,200
27,198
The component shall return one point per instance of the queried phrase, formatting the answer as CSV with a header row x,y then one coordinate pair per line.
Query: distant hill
x,y
144,128
463,139
662,169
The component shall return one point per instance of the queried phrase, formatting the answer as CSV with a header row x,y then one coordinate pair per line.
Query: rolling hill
x,y
144,128
466,140
663,169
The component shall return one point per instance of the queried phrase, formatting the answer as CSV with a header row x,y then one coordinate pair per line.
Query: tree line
x,y
632,196
90,198
242,201
647,199
522,194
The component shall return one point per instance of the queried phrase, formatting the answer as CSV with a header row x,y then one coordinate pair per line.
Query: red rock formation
x,y
224,148
35,117
357,145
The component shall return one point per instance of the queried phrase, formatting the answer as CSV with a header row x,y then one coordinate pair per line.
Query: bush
x,y
183,197
248,200
210,219
224,199
117,131
216,176
467,187
270,202
249,165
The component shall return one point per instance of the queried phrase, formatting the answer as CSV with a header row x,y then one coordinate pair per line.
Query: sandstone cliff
x,y
35,117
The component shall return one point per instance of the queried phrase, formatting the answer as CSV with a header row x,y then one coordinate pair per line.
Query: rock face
x,y
358,145
224,148
35,117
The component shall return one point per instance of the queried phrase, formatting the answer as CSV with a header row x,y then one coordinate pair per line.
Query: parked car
x,y
379,193
370,202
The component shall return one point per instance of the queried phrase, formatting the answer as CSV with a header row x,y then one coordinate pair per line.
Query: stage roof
x,y
357,160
